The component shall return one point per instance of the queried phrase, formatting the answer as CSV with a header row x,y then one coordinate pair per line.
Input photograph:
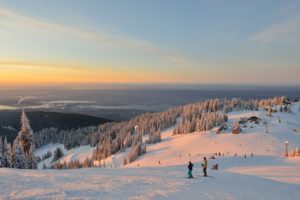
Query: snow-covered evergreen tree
x,y
154,137
10,156
137,149
58,153
19,161
46,155
5,152
2,164
289,110
31,159
25,141
281,109
25,136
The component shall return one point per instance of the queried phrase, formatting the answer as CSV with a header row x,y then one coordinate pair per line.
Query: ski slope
x,y
162,172
179,149
277,183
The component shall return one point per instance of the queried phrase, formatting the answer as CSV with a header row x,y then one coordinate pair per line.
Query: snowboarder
x,y
190,167
204,166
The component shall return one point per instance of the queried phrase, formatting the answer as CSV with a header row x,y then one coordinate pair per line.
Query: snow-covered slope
x,y
179,149
151,183
48,148
161,173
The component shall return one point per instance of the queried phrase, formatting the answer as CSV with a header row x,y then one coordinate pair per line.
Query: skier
x,y
190,167
204,166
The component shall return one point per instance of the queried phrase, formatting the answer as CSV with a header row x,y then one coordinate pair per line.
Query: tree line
x,y
136,133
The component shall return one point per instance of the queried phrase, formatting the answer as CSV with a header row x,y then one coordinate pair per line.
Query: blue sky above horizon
x,y
211,42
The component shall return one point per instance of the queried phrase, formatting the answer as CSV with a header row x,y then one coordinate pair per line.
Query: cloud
x,y
45,25
12,64
15,19
286,31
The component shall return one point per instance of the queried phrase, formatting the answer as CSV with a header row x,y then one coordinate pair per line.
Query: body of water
x,y
141,99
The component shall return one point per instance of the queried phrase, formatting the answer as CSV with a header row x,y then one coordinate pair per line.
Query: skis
x,y
199,176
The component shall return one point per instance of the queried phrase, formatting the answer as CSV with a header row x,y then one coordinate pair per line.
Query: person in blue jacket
x,y
190,167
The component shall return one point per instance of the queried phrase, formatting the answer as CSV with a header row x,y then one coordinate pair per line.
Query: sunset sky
x,y
157,41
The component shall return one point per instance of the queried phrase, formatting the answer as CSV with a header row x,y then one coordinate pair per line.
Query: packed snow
x,y
252,165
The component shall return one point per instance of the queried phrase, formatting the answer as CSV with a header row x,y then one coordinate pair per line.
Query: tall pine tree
x,y
24,143
25,135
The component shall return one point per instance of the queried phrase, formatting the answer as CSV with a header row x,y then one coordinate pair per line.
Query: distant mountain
x,y
10,121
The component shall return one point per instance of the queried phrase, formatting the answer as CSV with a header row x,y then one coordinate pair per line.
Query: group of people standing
x,y
204,168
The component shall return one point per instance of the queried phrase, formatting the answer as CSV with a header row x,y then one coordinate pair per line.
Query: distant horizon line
x,y
107,85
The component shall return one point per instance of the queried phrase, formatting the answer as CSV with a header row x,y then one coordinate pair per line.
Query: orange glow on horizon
x,y
29,73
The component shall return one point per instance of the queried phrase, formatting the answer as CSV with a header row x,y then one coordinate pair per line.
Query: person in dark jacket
x,y
204,166
190,167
